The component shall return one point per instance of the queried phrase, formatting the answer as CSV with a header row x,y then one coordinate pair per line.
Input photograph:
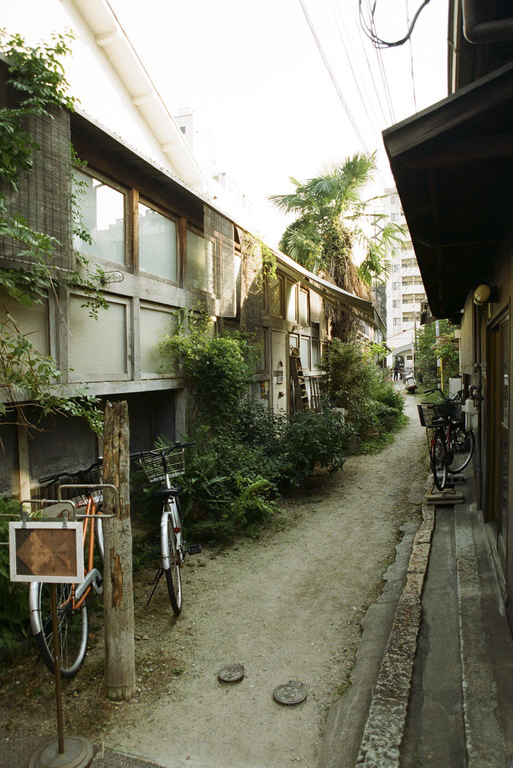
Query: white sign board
x,y
48,552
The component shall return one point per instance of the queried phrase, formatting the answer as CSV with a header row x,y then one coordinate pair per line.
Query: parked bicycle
x,y
165,466
72,599
450,445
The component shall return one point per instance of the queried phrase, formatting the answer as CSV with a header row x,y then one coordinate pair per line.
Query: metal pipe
x,y
57,668
486,31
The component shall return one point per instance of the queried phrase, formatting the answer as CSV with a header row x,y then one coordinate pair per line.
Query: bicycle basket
x,y
428,412
155,465
86,477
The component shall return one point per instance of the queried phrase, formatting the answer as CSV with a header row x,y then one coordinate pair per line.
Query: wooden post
x,y
117,584
23,461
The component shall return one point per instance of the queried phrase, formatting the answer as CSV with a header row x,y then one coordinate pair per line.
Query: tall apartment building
x,y
404,291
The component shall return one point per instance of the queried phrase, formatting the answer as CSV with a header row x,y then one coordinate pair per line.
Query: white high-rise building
x,y
404,292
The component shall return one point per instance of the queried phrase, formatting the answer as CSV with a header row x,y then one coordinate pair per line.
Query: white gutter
x,y
110,37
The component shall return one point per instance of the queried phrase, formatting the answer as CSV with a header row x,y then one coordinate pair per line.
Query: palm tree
x,y
332,219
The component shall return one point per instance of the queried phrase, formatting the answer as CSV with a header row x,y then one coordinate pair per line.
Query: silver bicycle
x,y
164,466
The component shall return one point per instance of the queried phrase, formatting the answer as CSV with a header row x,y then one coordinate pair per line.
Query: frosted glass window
x,y
98,348
102,212
260,343
305,352
316,353
158,251
303,308
199,262
315,307
155,324
31,322
291,299
276,297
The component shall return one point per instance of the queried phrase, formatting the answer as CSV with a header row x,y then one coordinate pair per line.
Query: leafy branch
x,y
37,77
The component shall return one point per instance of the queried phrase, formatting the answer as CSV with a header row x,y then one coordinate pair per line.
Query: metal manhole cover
x,y
231,674
293,692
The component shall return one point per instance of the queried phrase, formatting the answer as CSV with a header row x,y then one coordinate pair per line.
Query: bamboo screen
x,y
43,195
219,230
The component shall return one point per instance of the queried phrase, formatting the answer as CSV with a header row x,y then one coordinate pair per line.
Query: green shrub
x,y
217,369
244,456
354,382
429,349
229,485
14,611
314,439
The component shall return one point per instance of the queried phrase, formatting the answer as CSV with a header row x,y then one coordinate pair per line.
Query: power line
x,y
333,78
320,47
359,81
369,27
370,69
382,70
411,58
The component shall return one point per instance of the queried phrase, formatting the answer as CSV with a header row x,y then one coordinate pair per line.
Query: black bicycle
x,y
451,446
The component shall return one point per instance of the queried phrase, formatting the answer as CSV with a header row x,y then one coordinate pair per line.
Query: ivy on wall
x,y
38,85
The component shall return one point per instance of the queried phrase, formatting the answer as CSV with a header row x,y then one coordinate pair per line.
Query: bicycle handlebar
x,y
49,479
159,451
446,398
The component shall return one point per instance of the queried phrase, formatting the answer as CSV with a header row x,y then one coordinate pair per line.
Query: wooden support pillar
x,y
118,588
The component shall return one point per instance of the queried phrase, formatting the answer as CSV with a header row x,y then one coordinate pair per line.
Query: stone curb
x,y
385,723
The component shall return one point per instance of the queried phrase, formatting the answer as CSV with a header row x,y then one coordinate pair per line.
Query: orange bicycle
x,y
72,599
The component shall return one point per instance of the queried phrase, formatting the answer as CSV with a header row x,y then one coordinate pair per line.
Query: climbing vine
x,y
37,78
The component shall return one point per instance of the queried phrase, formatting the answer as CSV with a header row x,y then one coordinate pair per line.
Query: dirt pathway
x,y
287,608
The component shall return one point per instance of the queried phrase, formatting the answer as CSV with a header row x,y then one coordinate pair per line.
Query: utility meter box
x,y
471,412
454,385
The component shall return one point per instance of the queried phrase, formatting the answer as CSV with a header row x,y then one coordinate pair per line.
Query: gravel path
x,y
287,607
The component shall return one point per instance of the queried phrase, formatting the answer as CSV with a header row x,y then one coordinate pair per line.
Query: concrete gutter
x,y
384,729
366,725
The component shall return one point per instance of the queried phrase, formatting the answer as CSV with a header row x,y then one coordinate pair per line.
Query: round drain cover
x,y
292,692
231,674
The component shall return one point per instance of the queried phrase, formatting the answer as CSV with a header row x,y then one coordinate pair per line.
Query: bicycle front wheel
x,y
173,575
439,460
73,630
462,445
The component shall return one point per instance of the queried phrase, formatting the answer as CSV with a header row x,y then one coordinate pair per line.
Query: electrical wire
x,y
359,81
326,62
377,91
333,78
378,42
381,66
411,58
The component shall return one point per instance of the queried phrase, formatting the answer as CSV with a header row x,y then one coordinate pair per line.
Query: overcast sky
x,y
261,80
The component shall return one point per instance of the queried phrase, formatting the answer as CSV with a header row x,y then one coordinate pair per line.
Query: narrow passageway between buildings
x,y
287,607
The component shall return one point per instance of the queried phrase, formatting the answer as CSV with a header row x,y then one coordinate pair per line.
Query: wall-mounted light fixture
x,y
112,277
482,294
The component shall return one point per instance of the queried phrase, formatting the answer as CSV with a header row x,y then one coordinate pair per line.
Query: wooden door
x,y
498,441
279,363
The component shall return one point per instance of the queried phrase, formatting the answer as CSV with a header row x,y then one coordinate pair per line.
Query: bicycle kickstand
x,y
156,581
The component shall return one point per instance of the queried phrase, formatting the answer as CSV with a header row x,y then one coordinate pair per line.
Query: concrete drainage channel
x,y
365,727
384,729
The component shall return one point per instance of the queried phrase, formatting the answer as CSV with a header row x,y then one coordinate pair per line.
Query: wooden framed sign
x,y
44,551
